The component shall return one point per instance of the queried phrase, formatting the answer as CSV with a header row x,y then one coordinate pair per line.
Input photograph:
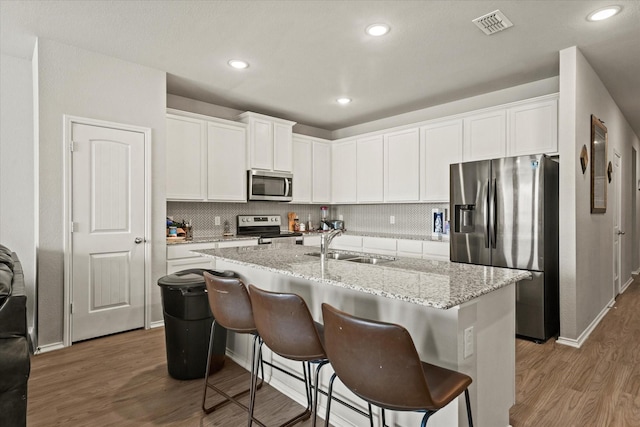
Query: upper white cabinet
x,y
485,136
270,142
533,128
186,158
370,169
441,146
227,175
321,173
402,166
206,159
343,172
302,167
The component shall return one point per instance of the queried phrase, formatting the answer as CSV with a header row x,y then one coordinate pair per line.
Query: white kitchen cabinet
x,y
302,167
370,170
321,173
379,245
402,166
186,158
533,128
485,136
180,256
441,146
438,250
409,248
343,172
311,240
269,142
227,175
347,243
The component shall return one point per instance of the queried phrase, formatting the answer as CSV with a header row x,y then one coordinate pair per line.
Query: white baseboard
x,y
577,343
156,324
49,347
626,285
636,272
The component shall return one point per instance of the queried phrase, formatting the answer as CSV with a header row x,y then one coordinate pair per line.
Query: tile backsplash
x,y
410,218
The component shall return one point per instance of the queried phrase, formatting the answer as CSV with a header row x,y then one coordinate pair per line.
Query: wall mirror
x,y
598,166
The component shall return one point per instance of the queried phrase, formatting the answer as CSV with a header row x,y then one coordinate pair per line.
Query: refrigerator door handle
x,y
494,213
487,217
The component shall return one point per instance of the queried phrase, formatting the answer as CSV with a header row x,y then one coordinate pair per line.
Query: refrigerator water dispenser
x,y
464,218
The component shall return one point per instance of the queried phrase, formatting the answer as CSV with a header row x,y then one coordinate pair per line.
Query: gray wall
x,y
586,240
80,83
18,171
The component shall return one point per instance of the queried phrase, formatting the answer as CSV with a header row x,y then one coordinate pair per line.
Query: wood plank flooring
x,y
122,380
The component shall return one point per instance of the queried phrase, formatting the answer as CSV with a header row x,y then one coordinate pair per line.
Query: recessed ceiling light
x,y
239,64
602,14
343,101
377,30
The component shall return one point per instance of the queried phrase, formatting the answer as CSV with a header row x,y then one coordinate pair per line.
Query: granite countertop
x,y
220,238
432,283
211,239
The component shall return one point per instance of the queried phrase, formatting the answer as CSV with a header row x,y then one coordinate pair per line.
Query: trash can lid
x,y
192,277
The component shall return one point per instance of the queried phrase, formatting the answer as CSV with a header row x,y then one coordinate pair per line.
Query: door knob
x,y
139,240
620,232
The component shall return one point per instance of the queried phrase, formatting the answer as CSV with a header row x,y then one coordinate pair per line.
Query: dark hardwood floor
x,y
122,380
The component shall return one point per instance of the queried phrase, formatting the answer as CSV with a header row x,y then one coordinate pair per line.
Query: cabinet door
x,y
302,161
441,146
321,172
409,248
227,168
485,136
260,144
402,166
379,245
176,265
282,147
370,170
343,172
533,128
186,158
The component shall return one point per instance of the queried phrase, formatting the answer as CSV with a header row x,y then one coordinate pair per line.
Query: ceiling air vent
x,y
493,22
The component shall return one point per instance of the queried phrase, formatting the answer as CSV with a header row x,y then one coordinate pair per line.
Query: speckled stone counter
x,y
459,316
211,239
439,284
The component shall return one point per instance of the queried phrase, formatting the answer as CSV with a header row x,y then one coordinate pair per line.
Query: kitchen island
x,y
460,317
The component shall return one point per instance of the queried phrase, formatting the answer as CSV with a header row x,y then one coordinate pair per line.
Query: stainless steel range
x,y
266,227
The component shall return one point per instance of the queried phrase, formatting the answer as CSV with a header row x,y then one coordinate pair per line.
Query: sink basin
x,y
336,255
354,258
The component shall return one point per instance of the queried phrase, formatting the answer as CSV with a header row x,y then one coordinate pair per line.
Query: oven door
x,y
274,186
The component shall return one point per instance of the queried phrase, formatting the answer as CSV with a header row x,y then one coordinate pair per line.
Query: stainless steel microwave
x,y
274,186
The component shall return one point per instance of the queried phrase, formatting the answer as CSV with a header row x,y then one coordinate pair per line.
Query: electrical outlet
x,y
340,217
392,219
468,342
216,220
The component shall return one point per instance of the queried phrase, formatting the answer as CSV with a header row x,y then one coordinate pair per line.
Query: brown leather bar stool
x,y
231,308
379,363
286,326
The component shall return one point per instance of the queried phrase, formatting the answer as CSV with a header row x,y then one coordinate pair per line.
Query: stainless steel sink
x,y
354,258
335,255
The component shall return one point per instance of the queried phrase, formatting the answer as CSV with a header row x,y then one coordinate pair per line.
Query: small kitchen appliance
x,y
266,228
269,186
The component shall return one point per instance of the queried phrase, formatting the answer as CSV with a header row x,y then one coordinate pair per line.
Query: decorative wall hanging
x,y
584,159
598,166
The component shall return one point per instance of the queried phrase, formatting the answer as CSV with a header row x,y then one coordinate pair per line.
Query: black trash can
x,y
187,324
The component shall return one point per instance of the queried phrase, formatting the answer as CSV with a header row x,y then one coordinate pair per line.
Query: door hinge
x,y
71,308
73,227
72,146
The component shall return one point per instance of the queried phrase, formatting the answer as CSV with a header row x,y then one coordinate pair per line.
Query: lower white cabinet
x,y
379,245
347,243
311,240
180,256
409,248
436,250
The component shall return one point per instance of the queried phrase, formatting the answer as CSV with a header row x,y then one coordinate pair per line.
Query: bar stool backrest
x,y
230,303
285,325
377,361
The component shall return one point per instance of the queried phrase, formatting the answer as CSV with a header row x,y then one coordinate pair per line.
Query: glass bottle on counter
x,y
296,224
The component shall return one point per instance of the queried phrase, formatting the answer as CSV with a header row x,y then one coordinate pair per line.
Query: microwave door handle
x,y
287,186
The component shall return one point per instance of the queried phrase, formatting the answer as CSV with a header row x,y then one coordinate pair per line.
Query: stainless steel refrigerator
x,y
504,213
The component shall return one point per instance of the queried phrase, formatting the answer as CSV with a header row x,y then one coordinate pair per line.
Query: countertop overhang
x,y
431,283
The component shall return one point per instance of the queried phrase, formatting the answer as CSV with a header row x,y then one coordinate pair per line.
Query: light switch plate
x,y
392,219
216,220
468,342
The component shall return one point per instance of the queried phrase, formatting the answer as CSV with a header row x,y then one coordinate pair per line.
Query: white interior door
x,y
108,216
617,220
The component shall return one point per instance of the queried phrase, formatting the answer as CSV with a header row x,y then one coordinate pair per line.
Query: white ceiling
x,y
304,54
